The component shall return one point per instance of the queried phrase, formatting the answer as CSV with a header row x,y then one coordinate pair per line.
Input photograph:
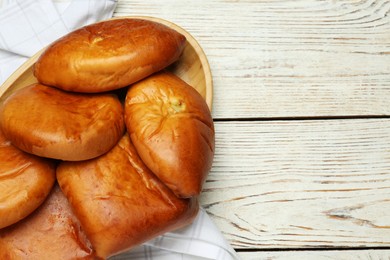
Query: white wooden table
x,y
302,117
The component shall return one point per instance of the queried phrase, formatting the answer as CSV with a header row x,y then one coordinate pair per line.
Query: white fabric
x,y
199,241
26,26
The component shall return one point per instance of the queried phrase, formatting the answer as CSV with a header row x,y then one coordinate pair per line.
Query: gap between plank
x,y
241,250
301,118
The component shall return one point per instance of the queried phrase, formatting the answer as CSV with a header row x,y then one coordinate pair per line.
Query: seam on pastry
x,y
206,139
149,184
15,172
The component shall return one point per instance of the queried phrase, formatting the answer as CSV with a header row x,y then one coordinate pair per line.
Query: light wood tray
x,y
192,67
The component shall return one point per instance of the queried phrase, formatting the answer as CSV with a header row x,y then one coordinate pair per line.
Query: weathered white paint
x,y
288,58
292,184
295,184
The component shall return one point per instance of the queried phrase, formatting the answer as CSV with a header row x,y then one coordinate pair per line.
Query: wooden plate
x,y
192,67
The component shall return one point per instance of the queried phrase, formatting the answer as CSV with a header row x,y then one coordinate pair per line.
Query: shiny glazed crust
x,y
172,130
52,123
119,202
51,232
25,182
108,55
113,201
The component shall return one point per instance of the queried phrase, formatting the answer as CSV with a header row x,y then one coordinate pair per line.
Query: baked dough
x,y
172,129
108,55
25,182
52,123
119,202
51,232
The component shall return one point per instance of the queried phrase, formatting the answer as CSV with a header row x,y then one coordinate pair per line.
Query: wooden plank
x,y
317,255
301,184
288,58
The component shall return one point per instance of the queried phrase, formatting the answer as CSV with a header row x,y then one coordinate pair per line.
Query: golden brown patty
x,y
172,130
108,55
119,202
25,181
52,123
51,232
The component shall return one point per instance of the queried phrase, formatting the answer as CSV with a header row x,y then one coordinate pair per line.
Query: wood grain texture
x,y
318,255
301,184
295,184
301,58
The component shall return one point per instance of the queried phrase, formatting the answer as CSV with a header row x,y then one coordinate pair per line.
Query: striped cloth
x,y
26,26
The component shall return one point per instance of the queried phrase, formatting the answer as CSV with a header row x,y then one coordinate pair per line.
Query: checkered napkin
x,y
26,26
